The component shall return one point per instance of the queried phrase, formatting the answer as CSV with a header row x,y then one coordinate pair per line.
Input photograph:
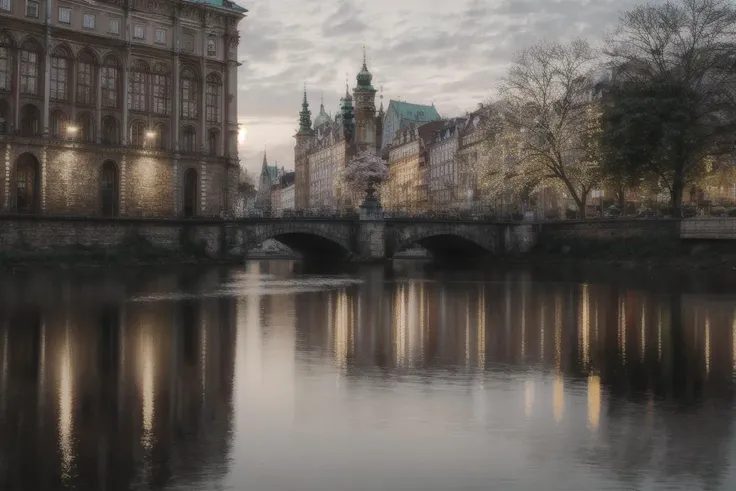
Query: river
x,y
270,378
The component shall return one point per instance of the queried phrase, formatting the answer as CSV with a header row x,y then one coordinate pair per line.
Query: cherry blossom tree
x,y
364,174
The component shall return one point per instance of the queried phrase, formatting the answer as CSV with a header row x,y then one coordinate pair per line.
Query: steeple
x,y
364,76
380,109
264,167
305,115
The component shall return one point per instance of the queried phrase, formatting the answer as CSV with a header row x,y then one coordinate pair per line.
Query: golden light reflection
x,y
707,343
147,389
467,330
523,324
482,328
541,330
66,414
558,398
585,325
203,356
659,334
528,397
558,333
594,401
412,321
400,325
341,329
643,328
622,328
42,371
422,319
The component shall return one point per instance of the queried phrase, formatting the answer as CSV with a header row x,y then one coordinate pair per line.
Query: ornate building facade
x,y
324,147
119,108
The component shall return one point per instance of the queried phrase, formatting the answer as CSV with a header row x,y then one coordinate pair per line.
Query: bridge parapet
x,y
708,228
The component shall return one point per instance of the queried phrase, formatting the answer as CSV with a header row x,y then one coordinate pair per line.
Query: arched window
x,y
213,104
30,120
190,193
58,123
160,89
29,68
189,139
212,138
111,83
189,89
86,128
6,64
138,86
161,140
26,184
109,189
4,116
137,134
60,64
110,131
86,79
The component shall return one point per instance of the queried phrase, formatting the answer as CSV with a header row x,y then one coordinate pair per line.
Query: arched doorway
x,y
190,193
26,184
109,188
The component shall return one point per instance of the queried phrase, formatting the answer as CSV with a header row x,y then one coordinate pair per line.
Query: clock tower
x,y
364,96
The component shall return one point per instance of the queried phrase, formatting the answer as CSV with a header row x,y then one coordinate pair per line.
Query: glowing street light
x,y
150,135
71,130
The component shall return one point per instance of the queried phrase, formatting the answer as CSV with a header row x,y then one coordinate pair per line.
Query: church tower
x,y
365,109
304,138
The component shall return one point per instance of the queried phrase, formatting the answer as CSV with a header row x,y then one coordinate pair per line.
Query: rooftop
x,y
223,4
415,112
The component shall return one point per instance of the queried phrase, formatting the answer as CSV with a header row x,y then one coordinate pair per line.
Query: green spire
x,y
305,116
364,76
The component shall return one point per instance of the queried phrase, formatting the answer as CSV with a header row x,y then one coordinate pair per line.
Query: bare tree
x,y
680,59
546,104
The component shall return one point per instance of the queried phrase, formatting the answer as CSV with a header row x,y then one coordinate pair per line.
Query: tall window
x,y
5,5
6,64
160,36
109,189
88,21
58,122
85,79
86,128
189,87
160,87
137,91
114,26
110,83
212,138
190,193
187,43
138,32
29,69
137,134
30,120
65,15
161,140
26,184
31,9
189,139
59,74
110,131
211,46
213,105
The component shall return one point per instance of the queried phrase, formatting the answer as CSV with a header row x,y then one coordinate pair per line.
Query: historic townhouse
x,y
118,107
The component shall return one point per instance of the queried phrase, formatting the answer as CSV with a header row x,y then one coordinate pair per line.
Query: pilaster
x,y
44,181
371,232
202,187
98,104
177,183
126,88
6,176
46,84
123,184
16,92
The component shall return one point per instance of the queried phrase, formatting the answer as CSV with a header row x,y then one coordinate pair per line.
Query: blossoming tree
x,y
364,174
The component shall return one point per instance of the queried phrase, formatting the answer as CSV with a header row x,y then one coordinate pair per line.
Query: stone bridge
x,y
381,238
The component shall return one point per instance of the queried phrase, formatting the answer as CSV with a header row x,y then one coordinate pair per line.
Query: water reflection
x,y
263,378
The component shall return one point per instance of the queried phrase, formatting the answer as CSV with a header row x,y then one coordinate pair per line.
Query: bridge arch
x,y
312,240
444,241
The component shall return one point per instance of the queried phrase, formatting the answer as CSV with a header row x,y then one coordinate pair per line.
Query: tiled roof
x,y
225,4
415,112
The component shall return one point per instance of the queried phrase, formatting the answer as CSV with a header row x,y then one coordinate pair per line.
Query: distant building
x,y
401,115
324,147
406,187
284,188
269,176
442,170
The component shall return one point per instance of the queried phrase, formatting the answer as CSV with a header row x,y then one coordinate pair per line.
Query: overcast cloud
x,y
449,52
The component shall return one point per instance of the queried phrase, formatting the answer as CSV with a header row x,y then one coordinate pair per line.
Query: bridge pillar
x,y
371,232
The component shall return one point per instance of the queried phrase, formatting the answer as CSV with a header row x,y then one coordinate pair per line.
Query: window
x,y
161,142
137,134
212,142
114,26
59,67
189,139
160,83
26,184
160,36
65,15
138,32
89,21
5,5
189,87
31,9
110,134
187,43
5,64
190,193
212,103
30,120
85,79
58,124
28,72
109,189
110,83
211,46
137,93
86,128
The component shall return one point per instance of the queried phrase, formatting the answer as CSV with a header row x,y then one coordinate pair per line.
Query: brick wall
x,y
608,229
34,233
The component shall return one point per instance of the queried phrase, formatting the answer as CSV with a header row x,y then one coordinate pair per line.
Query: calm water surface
x,y
263,378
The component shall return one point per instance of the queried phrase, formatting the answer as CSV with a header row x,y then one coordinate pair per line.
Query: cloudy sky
x,y
449,52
